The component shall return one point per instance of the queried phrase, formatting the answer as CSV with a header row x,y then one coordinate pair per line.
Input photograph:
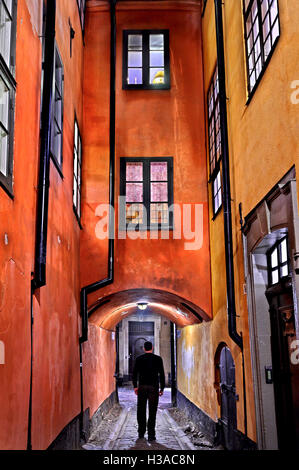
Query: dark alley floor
x,y
118,430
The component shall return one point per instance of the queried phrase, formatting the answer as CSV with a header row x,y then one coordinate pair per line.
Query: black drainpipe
x,y
230,278
39,279
109,279
39,275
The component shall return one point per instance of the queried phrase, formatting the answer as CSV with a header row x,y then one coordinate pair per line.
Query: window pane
x,y
135,42
274,258
134,171
134,76
135,59
5,32
4,103
159,171
156,75
284,251
159,192
159,214
275,277
3,151
134,213
156,59
284,271
156,42
134,192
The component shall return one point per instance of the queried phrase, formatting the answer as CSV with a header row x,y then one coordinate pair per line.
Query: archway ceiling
x,y
110,310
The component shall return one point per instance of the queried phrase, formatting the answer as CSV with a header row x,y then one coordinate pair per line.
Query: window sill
x,y
58,167
77,217
136,229
146,87
6,185
217,213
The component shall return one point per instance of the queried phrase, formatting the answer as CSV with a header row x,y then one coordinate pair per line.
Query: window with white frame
x,y
7,90
278,261
77,171
262,32
57,112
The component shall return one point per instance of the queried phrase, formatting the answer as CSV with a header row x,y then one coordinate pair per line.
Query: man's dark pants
x,y
150,394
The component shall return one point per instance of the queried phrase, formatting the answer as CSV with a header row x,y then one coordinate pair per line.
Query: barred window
x,y
77,171
262,32
214,130
147,185
7,90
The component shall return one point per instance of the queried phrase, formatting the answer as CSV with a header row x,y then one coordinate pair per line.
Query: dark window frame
x,y
7,72
260,38
77,187
146,192
280,264
213,113
58,164
145,60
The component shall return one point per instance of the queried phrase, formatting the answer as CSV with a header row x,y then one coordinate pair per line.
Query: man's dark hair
x,y
148,346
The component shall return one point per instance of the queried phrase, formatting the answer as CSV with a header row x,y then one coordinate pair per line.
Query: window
x,y
278,266
77,171
146,60
217,195
261,35
147,185
57,112
7,90
214,130
81,7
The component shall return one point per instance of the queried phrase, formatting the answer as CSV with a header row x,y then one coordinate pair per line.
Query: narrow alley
x,y
118,430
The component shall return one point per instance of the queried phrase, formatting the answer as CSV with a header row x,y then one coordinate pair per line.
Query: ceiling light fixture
x,y
142,305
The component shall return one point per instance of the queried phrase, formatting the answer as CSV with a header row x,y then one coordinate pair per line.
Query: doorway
x,y
228,398
139,332
282,321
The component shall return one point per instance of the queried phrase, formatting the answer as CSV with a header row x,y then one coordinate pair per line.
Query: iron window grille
x,y
146,59
8,12
77,171
81,7
147,187
214,131
278,261
57,112
262,32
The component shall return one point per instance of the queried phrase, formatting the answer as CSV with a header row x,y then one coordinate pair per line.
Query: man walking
x,y
148,373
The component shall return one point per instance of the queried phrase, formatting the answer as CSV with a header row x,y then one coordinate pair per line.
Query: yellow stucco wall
x,y
263,146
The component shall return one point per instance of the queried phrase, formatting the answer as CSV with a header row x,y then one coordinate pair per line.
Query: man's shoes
x,y
140,436
151,438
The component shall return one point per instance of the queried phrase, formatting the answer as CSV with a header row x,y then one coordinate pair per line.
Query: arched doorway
x,y
226,390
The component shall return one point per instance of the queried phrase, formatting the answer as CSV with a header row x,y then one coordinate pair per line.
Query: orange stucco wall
x,y
148,124
56,364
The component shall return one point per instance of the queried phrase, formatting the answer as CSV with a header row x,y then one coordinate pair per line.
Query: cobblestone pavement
x,y
118,430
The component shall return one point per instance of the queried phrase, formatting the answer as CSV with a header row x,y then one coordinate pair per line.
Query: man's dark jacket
x,y
149,370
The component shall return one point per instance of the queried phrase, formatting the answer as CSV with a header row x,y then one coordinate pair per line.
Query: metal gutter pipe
x,y
230,278
39,278
230,281
109,279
